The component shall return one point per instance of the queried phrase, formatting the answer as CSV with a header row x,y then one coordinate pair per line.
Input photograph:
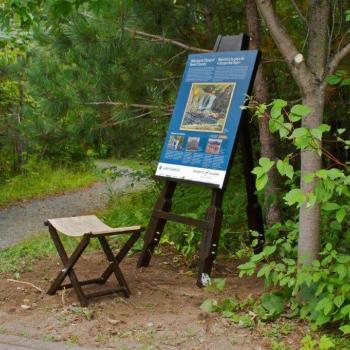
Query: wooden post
x,y
156,225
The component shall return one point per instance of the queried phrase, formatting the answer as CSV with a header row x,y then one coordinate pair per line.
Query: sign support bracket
x,y
212,224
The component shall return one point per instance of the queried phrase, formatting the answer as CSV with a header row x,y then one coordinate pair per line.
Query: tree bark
x,y
267,140
310,218
309,77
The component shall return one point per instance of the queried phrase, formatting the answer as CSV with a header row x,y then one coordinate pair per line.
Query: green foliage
x,y
21,256
341,77
191,201
324,343
41,179
231,309
317,292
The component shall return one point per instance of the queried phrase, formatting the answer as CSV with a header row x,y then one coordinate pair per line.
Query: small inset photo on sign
x,y
213,146
192,144
207,107
175,142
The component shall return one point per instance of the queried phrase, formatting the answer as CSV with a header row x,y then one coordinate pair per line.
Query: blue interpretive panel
x,y
206,117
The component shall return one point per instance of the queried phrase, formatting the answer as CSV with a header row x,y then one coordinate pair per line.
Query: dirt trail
x,y
26,218
162,313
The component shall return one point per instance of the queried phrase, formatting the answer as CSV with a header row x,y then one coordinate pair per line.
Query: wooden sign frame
x,y
211,225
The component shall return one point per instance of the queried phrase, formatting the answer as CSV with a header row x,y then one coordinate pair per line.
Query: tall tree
x,y
267,140
309,74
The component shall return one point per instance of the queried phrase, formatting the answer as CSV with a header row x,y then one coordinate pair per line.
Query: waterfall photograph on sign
x,y
207,107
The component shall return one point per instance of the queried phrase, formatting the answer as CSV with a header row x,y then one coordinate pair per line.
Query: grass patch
x,y
134,208
21,256
42,179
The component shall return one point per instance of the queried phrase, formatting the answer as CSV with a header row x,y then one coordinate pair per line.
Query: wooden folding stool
x,y
89,227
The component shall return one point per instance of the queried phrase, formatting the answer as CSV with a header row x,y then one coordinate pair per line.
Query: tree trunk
x,y
19,143
309,77
267,140
310,218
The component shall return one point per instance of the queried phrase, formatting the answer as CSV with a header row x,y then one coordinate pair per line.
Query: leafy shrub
x,y
319,291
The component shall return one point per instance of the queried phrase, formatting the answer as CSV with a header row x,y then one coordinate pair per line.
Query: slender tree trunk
x,y
309,76
310,218
267,140
19,143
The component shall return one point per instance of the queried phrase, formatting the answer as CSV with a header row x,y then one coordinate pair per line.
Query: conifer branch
x,y
129,105
163,39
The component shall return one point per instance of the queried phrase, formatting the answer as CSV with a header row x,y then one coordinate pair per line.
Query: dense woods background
x,y
63,70
95,79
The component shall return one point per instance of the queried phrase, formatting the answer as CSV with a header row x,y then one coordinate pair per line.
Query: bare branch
x,y
26,283
165,40
295,60
299,12
337,58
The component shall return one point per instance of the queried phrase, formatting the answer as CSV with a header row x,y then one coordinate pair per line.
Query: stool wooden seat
x,y
88,227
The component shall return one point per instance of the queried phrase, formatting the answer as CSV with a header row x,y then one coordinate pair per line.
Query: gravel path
x,y
22,220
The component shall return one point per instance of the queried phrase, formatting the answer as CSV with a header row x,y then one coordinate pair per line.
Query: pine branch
x,y
163,39
129,105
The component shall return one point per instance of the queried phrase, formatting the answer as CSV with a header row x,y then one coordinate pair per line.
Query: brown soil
x,y
162,313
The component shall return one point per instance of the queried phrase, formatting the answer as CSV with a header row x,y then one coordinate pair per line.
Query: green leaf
x,y
324,127
279,103
341,270
209,305
266,163
324,304
345,82
247,266
294,196
269,250
261,182
316,133
258,171
340,215
347,15
273,302
309,177
285,130
326,343
301,110
345,329
345,310
264,271
299,132
330,206
275,112
333,79
294,117
339,300
219,283
285,169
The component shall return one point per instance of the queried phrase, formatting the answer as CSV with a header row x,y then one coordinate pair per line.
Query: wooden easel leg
x,y
210,240
254,211
156,225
